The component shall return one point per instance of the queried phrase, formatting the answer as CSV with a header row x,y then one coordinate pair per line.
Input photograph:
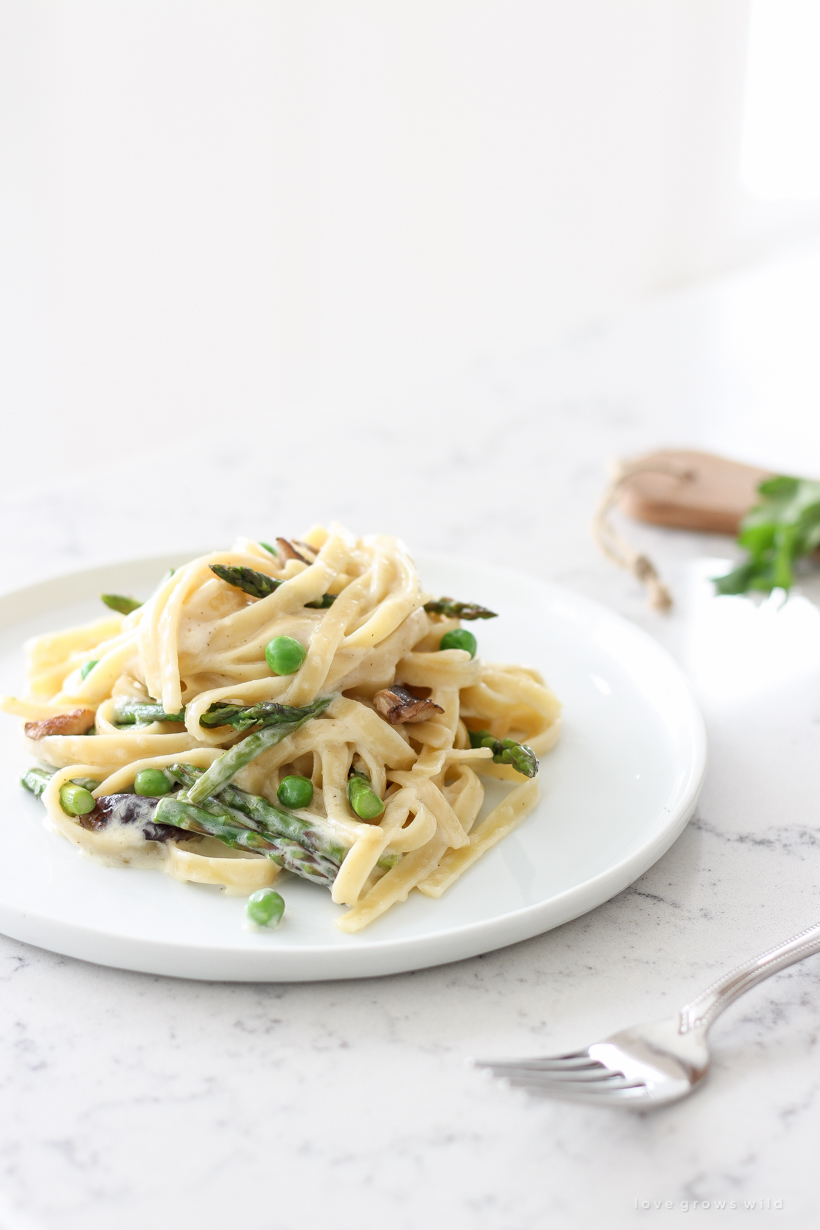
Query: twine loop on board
x,y
614,545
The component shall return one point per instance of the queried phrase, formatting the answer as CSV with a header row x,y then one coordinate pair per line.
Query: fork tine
x,y
601,1080
546,1063
584,1076
584,1093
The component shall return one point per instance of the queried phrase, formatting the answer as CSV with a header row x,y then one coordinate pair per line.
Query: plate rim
x,y
166,957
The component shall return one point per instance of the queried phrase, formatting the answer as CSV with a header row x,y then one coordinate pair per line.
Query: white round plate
x,y
615,793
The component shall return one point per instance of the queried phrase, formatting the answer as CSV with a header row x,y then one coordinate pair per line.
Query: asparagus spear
x,y
458,610
507,751
275,823
257,584
242,717
229,763
118,602
362,797
36,779
210,821
267,819
140,713
222,824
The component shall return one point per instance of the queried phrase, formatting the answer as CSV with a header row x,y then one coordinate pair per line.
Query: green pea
x,y
87,668
363,798
295,791
76,800
459,638
152,783
265,908
284,655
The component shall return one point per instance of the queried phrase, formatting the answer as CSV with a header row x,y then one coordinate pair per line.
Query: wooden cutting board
x,y
689,490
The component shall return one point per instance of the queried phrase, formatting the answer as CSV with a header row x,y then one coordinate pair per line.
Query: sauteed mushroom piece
x,y
397,704
76,722
288,551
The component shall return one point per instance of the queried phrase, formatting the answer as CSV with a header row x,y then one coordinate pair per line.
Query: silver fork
x,y
654,1063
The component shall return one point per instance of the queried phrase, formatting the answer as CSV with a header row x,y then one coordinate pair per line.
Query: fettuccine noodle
x,y
200,642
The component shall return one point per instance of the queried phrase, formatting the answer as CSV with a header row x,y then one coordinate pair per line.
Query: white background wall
x,y
212,211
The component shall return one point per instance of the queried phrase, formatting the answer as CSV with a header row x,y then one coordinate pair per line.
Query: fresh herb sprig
x,y
784,526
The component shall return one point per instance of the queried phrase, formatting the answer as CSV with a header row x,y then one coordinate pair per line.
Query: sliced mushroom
x,y
77,722
305,546
397,704
288,551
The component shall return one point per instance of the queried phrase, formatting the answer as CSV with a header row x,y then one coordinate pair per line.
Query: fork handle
x,y
703,1011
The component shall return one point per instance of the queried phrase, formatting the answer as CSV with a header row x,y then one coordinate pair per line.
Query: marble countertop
x,y
140,1101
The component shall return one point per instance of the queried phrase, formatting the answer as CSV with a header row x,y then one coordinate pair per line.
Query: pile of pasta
x,y
198,641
